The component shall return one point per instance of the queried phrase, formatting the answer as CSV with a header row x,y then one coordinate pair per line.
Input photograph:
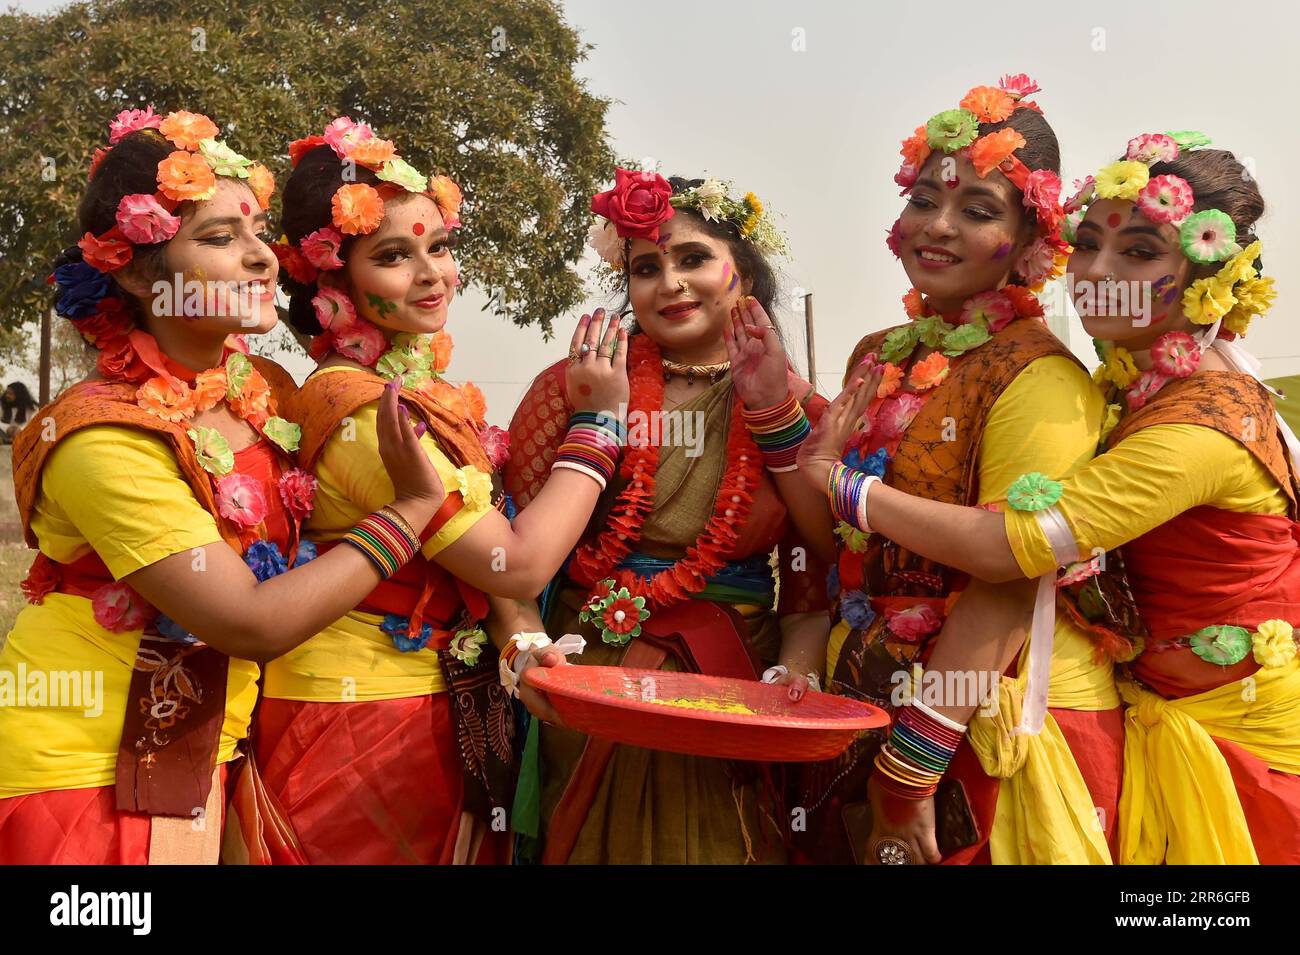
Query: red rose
x,y
42,578
298,491
637,205
109,321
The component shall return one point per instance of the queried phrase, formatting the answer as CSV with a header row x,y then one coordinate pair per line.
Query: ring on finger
x,y
584,348
890,851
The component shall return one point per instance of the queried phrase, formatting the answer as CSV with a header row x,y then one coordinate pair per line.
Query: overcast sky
x,y
805,102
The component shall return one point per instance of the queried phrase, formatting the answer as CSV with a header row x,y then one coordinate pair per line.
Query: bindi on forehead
x,y
418,228
245,208
1114,219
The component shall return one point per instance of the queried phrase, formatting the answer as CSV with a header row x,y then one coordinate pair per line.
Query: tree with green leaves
x,y
482,90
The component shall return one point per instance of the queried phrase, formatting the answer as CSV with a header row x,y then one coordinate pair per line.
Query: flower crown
x,y
641,202
189,173
357,208
957,131
1237,292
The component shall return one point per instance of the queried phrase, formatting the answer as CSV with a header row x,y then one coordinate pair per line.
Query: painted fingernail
x,y
394,385
420,429
406,415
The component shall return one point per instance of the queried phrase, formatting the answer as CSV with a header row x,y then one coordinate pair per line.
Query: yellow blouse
x,y
352,659
1049,420
119,492
1150,477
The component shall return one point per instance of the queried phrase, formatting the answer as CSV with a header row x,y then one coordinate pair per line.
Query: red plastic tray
x,y
616,703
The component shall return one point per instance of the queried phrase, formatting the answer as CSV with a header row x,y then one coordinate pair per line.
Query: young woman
x,y
387,737
16,404
166,506
675,570
972,388
1197,487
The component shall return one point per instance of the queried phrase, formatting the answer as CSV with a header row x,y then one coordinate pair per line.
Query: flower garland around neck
x,y
1225,302
951,335
618,598
957,131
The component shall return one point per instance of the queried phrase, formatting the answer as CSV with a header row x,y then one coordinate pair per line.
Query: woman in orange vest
x,y
972,387
1197,488
163,497
388,736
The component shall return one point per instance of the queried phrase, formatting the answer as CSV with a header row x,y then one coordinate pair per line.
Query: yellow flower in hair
x,y
475,487
1206,301
1122,180
1241,267
1256,295
1238,320
1274,643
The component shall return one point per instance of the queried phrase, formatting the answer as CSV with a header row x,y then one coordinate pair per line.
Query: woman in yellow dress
x,y
1197,488
163,497
388,737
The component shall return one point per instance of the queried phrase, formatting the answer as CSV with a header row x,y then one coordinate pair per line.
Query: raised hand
x,y
823,447
596,378
416,483
760,370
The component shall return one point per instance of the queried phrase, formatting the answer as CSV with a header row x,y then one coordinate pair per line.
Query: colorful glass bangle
x,y
387,544
779,431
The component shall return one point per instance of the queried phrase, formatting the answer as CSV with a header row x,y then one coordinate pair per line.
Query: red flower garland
x,y
595,561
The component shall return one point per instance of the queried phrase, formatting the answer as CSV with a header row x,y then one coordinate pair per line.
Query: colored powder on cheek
x,y
1113,220
1002,251
418,228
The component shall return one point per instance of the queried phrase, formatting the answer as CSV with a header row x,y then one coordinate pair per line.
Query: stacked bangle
x,y
919,750
847,489
386,539
592,446
778,431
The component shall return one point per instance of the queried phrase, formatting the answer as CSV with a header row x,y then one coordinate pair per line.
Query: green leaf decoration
x,y
900,342
238,368
212,450
284,433
932,329
963,338
1034,492
1221,645
1188,138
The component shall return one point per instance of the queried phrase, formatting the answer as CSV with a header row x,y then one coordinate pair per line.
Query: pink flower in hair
x,y
321,248
144,221
1166,199
1042,191
360,341
344,134
130,120
1152,148
333,308
1018,85
1082,196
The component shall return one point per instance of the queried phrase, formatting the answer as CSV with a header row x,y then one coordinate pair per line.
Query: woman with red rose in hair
x,y
675,568
968,394
388,737
163,497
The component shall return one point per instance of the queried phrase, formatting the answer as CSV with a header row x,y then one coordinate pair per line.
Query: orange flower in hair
x,y
187,129
301,147
185,175
262,183
107,255
357,209
916,149
989,152
989,104
446,194
373,152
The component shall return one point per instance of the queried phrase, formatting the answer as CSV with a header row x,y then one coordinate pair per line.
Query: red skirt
x,y
371,783
73,827
1271,803
1096,740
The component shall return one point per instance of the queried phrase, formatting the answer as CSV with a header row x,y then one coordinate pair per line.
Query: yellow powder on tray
x,y
713,706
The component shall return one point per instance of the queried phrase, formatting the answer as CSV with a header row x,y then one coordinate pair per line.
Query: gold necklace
x,y
691,372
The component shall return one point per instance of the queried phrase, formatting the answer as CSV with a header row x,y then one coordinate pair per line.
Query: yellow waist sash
x,y
1179,804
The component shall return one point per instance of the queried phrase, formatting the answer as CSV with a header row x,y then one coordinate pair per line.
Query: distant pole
x,y
46,326
808,336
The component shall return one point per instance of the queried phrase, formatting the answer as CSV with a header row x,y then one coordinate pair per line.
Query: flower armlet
x,y
1034,492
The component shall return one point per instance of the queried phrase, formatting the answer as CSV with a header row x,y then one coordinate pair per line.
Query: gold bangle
x,y
392,513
